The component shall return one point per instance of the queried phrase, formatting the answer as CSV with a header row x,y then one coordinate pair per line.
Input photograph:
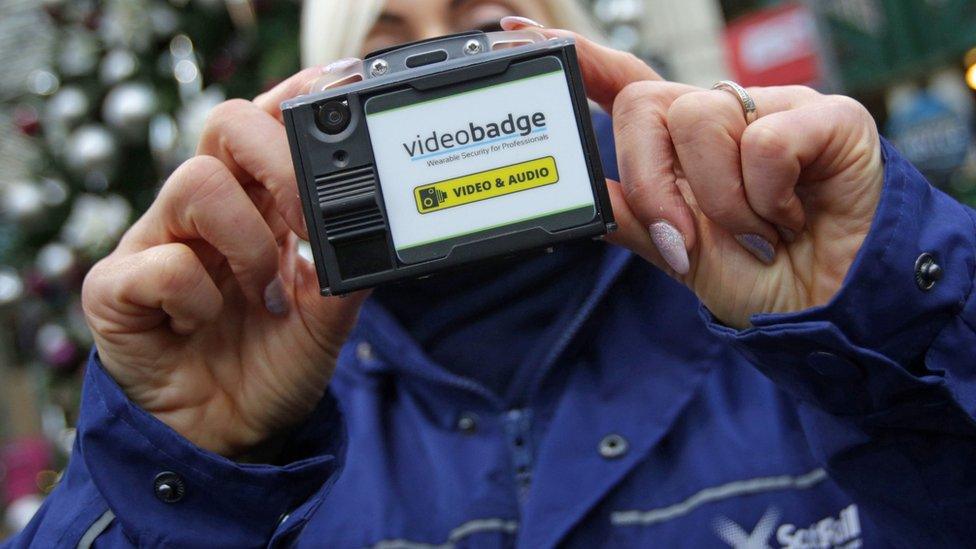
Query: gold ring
x,y
748,103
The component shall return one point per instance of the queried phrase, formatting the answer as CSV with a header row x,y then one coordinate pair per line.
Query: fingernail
x,y
275,299
757,246
787,234
512,22
340,64
671,244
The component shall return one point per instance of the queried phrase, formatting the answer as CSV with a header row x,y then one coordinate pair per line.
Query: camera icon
x,y
431,197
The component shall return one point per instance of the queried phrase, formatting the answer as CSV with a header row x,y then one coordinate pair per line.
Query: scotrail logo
x,y
841,532
737,537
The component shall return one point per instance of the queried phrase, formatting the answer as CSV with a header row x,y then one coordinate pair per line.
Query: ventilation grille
x,y
354,224
348,203
342,185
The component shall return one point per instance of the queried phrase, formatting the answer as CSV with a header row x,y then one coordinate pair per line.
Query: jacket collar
x,y
403,355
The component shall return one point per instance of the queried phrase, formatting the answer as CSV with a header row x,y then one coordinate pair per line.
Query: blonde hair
x,y
333,29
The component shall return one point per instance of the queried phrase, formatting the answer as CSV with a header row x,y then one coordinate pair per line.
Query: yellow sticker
x,y
487,184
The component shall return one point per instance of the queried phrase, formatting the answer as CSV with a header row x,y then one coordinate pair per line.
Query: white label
x,y
479,135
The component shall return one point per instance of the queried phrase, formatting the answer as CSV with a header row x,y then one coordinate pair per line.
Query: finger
x,y
631,233
606,71
769,101
138,292
265,203
293,86
705,128
328,319
810,140
203,201
646,160
253,145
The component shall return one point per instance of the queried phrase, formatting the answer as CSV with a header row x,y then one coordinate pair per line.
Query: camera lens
x,y
333,117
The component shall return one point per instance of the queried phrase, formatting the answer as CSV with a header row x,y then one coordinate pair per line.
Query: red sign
x,y
774,46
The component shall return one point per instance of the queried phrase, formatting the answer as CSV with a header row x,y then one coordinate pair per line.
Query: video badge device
x,y
445,152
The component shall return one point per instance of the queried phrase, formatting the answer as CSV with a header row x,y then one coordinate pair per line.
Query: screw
x,y
472,47
379,67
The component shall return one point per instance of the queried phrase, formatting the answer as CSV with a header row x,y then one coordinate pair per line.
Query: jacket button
x,y
613,446
468,423
364,352
169,487
927,272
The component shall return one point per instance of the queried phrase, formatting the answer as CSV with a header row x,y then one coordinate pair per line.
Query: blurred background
x,y
100,100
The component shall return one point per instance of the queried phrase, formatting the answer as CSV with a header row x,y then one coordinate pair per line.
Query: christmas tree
x,y
99,102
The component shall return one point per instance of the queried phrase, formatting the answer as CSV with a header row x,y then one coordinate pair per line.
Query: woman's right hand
x,y
205,315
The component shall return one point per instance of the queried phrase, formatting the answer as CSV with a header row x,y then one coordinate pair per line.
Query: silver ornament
x,y
54,260
78,53
91,152
96,222
128,108
54,345
11,286
165,143
19,512
164,21
66,108
54,191
117,65
42,82
21,201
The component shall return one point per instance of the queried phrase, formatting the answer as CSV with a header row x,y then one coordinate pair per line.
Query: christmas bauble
x,y
78,52
55,261
128,108
11,286
21,201
42,82
66,108
164,142
54,191
96,222
20,511
54,346
164,20
91,151
117,65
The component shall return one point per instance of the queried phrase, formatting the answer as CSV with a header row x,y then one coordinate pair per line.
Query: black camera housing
x,y
339,182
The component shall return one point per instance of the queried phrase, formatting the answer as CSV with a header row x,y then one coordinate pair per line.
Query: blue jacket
x,y
646,424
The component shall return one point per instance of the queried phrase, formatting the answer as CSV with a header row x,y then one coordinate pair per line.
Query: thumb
x,y
328,319
631,233
605,70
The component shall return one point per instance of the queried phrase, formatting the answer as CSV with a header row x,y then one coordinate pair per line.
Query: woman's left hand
x,y
754,218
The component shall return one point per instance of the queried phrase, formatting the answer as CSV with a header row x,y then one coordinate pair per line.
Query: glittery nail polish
x,y
671,244
275,299
757,246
